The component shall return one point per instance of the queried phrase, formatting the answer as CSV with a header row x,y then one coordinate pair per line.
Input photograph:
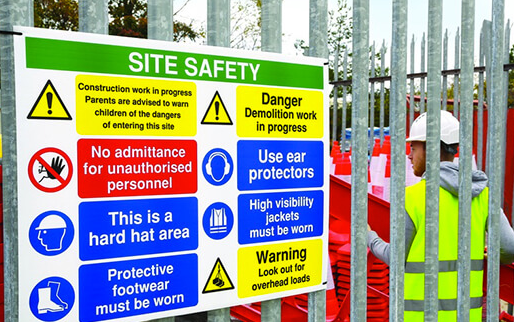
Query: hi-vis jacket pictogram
x,y
448,253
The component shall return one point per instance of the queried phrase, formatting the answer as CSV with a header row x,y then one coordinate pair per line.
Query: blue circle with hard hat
x,y
51,233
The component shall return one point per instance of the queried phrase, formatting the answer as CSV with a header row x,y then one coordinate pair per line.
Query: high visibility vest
x,y
448,254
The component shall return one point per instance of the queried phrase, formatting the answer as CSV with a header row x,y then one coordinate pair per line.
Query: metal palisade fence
x,y
493,69
433,75
93,18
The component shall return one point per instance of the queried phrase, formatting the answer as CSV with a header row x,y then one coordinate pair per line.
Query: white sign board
x,y
157,179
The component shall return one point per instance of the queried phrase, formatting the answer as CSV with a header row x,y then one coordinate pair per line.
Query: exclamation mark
x,y
49,97
217,108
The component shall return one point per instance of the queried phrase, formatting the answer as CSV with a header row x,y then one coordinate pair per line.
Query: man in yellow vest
x,y
448,228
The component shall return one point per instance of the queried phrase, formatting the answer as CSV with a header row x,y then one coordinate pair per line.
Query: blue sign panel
x,y
129,288
265,217
110,229
279,164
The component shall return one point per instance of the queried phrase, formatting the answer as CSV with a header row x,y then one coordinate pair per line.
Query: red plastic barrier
x,y
245,313
340,208
507,283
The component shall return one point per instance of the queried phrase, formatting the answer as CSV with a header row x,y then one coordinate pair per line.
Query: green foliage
x,y
339,40
183,32
129,18
62,14
340,27
246,24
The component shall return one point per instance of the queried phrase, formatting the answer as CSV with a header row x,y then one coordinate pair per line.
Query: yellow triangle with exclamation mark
x,y
216,112
49,105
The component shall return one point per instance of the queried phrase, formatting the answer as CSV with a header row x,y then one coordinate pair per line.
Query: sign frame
x,y
288,152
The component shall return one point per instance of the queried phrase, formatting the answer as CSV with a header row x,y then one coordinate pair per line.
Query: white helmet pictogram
x,y
51,222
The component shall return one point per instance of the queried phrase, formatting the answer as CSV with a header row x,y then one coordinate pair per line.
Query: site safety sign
x,y
158,179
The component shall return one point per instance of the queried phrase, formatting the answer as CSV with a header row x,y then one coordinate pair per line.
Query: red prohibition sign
x,y
52,173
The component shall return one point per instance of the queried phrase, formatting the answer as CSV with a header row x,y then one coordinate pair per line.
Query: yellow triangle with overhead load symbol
x,y
49,105
216,112
218,279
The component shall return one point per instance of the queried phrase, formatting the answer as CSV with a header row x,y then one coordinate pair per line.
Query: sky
x,y
295,21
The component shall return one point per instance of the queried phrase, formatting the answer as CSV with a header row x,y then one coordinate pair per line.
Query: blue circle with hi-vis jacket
x,y
217,167
218,220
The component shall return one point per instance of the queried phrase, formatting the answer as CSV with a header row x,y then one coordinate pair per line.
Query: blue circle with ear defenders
x,y
217,167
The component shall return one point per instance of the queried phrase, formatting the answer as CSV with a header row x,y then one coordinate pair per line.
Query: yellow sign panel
x,y
49,105
217,112
135,106
280,267
218,279
279,113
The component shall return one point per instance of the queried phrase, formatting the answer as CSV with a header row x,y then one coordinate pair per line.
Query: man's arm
x,y
506,240
380,248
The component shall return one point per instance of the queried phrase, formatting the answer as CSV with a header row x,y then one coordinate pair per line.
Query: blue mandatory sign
x,y
218,220
120,228
265,217
279,164
52,299
217,167
51,233
135,287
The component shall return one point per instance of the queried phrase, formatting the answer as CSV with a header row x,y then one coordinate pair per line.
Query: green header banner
x,y
76,56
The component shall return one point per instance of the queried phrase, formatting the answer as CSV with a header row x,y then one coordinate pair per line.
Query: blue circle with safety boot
x,y
51,233
218,220
217,167
52,299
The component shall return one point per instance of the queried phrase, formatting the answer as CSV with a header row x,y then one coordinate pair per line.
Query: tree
x,y
340,28
62,15
339,40
129,18
246,21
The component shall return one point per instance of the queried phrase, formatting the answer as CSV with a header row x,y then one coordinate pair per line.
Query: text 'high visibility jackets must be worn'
x,y
448,253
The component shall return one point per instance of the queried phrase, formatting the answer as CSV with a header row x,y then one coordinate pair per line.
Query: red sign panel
x,y
114,168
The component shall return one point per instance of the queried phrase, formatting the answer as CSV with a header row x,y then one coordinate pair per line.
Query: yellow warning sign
x,y
218,279
217,112
49,105
135,106
279,112
279,267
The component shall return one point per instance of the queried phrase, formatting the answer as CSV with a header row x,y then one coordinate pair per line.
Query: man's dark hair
x,y
449,148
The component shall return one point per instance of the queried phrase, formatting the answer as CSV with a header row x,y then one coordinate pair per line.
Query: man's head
x,y
418,138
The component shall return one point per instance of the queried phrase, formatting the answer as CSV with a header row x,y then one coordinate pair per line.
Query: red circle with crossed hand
x,y
53,170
